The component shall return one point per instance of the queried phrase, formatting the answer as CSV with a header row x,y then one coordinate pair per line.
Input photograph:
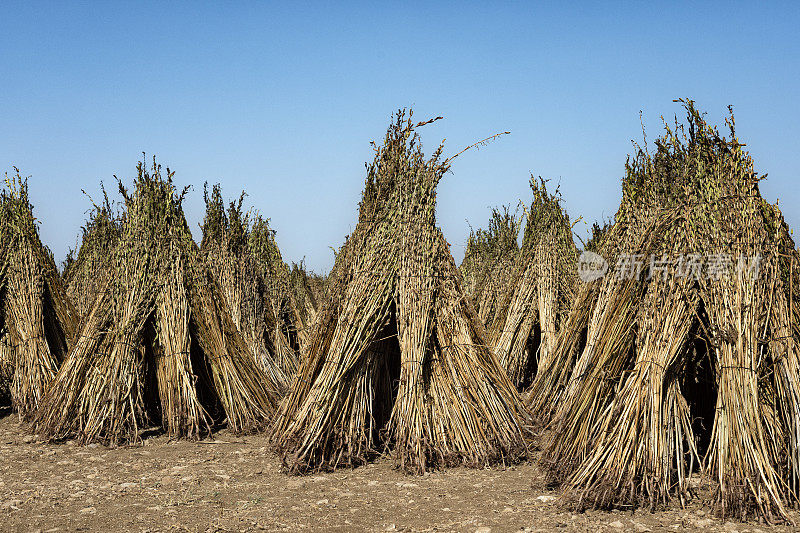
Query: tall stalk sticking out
x,y
37,321
397,358
157,347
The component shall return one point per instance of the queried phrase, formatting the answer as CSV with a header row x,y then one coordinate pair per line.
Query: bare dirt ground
x,y
233,483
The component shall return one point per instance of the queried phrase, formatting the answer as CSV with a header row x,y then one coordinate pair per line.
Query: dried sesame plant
x,y
158,347
397,359
489,259
288,327
88,272
683,359
539,289
254,284
308,292
37,320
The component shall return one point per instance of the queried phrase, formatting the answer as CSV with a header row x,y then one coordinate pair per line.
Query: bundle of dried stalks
x,y
37,320
397,357
539,289
488,261
86,274
290,330
308,290
690,363
248,286
158,346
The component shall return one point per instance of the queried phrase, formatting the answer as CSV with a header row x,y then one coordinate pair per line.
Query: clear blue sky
x,y
283,101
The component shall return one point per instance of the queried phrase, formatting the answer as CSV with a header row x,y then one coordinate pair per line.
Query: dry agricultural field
x,y
647,380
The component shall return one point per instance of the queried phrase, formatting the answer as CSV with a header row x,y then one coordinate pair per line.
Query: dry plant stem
x,y
182,413
741,450
489,261
536,301
248,398
397,358
516,329
624,429
88,273
256,285
552,378
639,453
38,321
69,392
36,366
158,347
